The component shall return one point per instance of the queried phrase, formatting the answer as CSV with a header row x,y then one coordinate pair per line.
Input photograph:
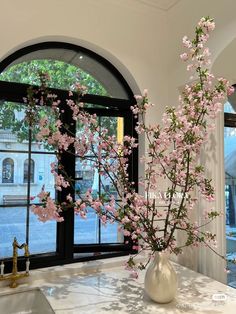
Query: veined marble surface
x,y
104,287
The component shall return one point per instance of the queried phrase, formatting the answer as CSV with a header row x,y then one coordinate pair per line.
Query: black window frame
x,y
67,252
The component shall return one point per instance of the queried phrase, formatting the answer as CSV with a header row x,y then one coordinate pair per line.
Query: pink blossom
x,y
184,56
207,23
126,233
187,43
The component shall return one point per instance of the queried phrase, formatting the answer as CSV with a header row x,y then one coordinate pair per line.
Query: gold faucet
x,y
14,276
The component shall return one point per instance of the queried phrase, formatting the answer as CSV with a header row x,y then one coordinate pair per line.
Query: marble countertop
x,y
104,286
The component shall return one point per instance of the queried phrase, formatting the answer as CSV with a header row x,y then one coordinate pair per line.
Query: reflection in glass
x,y
230,174
230,195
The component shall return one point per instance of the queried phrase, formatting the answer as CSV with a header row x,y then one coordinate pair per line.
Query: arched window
x,y
8,170
109,96
26,171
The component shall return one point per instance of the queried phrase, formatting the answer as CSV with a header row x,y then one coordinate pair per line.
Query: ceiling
x,y
164,5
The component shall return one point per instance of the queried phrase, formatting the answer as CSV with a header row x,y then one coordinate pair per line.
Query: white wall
x,y
126,32
182,19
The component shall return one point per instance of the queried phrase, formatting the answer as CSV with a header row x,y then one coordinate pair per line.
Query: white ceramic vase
x,y
161,280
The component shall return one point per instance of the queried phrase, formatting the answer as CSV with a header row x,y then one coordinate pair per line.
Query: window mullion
x,y
65,236
28,184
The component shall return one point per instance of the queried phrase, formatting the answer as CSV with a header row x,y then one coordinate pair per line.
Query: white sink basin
x,y
25,302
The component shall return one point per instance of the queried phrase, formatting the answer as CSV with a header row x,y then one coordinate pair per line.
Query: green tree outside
x,y
62,76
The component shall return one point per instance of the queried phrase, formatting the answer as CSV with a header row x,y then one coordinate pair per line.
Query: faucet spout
x,y
16,246
15,275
